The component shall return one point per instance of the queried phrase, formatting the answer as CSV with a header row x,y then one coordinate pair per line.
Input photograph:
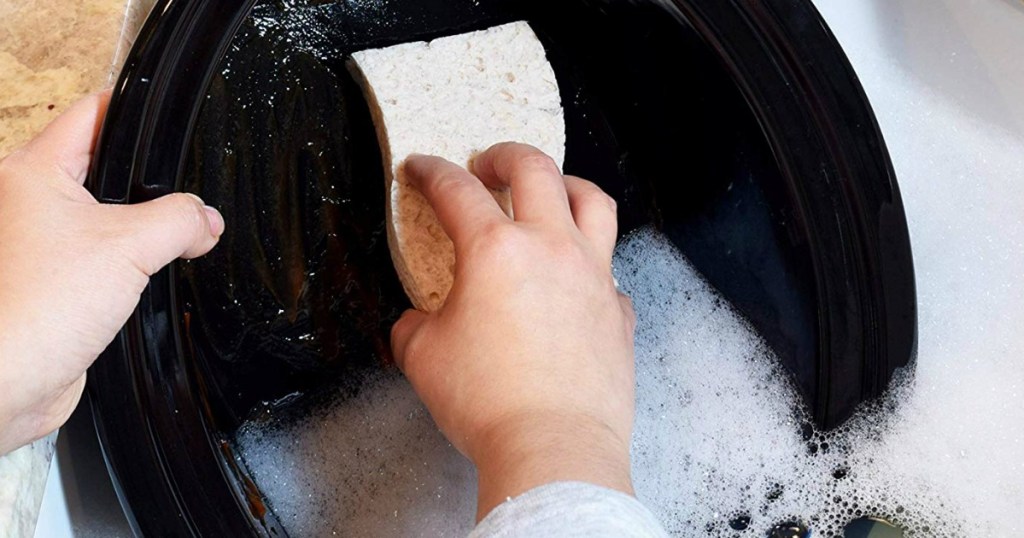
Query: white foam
x,y
718,434
717,429
370,465
945,455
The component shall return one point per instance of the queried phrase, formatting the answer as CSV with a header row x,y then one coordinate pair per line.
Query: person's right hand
x,y
528,366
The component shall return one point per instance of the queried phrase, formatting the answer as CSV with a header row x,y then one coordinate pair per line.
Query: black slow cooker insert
x,y
738,128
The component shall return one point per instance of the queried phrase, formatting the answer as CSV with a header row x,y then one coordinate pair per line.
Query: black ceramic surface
x,y
736,127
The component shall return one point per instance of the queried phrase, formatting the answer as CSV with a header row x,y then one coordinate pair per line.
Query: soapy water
x,y
720,440
376,464
371,465
942,454
721,446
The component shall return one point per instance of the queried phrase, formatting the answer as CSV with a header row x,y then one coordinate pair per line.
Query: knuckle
x,y
567,250
497,234
599,198
535,160
500,149
187,209
588,193
411,353
398,327
448,185
594,195
413,346
610,202
497,239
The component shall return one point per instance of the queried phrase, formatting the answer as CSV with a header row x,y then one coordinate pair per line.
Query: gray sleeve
x,y
567,509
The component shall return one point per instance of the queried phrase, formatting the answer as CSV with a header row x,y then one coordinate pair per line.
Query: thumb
x,y
402,333
160,231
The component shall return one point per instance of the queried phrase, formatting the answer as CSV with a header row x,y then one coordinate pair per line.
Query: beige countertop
x,y
51,53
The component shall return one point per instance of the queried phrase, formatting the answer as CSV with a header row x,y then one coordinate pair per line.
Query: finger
x,y
461,202
68,142
534,179
627,308
163,230
594,213
402,332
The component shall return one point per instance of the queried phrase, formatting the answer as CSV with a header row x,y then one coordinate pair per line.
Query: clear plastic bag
x,y
135,14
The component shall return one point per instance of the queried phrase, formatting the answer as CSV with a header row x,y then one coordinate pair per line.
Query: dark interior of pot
x,y
302,290
716,142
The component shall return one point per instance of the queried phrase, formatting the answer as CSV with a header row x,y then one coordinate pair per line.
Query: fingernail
x,y
409,169
413,157
216,221
212,215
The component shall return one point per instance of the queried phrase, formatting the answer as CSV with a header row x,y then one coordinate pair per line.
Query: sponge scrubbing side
x,y
453,97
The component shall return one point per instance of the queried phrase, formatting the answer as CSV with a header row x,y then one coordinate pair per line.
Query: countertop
x,y
52,53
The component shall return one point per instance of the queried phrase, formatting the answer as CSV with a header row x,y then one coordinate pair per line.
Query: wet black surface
x,y
301,289
736,128
301,292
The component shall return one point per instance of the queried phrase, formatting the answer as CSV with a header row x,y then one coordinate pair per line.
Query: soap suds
x,y
718,432
370,465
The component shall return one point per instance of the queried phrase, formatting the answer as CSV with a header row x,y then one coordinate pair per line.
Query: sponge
x,y
453,97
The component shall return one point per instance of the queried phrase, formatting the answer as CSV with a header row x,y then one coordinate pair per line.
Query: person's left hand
x,y
72,269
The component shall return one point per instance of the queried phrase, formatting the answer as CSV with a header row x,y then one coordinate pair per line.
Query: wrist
x,y
529,451
10,429
29,409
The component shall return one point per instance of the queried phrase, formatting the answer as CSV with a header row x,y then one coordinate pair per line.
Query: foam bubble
x,y
373,464
719,434
943,453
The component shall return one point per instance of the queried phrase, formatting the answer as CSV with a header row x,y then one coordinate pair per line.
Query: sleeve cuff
x,y
568,509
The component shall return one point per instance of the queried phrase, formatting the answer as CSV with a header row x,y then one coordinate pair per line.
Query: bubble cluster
x,y
371,464
722,447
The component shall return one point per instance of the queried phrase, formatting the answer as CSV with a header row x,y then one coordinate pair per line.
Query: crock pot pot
x,y
738,128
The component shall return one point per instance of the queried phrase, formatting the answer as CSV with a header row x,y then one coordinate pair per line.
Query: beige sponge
x,y
453,97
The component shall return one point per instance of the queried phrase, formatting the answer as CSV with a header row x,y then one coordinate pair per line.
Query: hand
x,y
528,366
72,270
